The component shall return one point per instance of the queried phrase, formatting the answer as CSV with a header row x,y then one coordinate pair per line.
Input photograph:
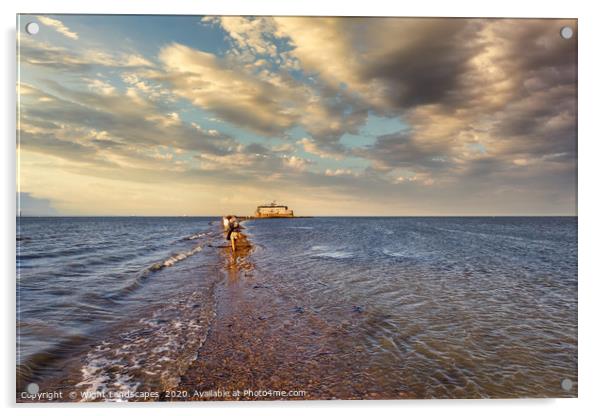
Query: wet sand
x,y
265,340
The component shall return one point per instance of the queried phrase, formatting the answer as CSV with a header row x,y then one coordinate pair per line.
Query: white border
x,y
590,23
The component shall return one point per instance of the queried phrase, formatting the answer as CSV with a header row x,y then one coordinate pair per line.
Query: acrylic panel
x,y
295,208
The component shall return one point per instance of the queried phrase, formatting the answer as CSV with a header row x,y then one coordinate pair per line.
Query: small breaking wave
x,y
329,252
175,258
154,353
335,255
390,253
155,267
196,236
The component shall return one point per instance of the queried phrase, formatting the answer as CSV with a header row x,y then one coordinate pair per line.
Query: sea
x,y
450,307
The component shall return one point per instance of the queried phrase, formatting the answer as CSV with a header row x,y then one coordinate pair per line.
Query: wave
x,y
196,236
335,255
329,252
154,353
155,267
394,253
175,258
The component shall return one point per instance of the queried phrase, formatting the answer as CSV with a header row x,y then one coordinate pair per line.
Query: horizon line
x,y
298,217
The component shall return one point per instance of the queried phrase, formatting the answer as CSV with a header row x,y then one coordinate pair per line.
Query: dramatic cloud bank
x,y
350,116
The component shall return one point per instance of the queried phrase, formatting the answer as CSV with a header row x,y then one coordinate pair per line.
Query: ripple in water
x,y
450,307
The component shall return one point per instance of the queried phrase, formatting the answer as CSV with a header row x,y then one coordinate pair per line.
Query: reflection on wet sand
x,y
237,262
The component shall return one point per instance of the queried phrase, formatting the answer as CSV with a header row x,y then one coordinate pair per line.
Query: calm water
x,y
444,307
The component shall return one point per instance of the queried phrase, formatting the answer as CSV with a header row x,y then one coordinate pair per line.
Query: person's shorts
x,y
235,235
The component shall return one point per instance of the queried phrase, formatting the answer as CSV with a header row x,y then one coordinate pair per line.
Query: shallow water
x,y
122,292
439,307
445,307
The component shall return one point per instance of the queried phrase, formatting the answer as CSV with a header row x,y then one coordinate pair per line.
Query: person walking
x,y
233,230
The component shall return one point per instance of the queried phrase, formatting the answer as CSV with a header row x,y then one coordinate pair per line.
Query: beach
x,y
161,309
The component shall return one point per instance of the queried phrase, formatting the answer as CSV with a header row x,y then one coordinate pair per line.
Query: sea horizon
x,y
305,216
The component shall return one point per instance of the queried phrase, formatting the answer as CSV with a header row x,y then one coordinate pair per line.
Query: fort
x,y
273,210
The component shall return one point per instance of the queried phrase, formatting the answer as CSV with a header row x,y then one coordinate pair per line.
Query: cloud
x,y
106,133
339,172
456,82
488,110
466,88
107,127
421,66
269,103
250,102
311,146
43,54
58,26
31,206
403,150
101,87
249,35
296,163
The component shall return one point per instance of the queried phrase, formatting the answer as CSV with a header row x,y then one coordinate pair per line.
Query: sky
x,y
206,115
